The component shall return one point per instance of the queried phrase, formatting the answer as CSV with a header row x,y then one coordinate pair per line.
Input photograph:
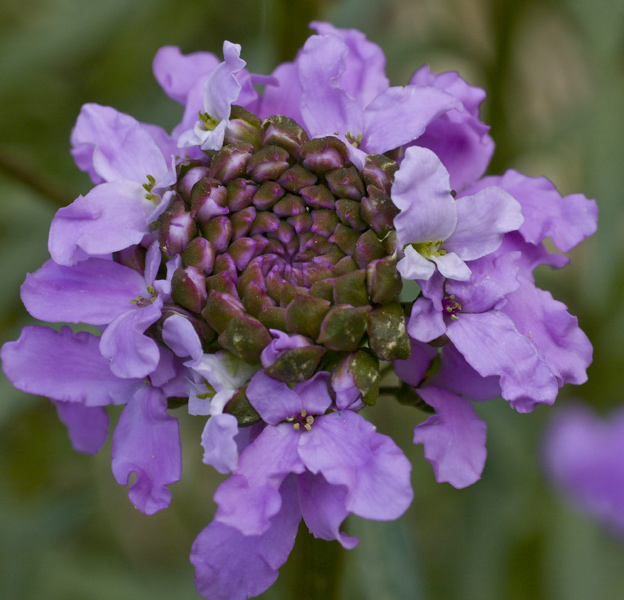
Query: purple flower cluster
x,y
250,266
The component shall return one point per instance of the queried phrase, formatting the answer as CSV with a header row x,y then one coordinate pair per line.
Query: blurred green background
x,y
554,73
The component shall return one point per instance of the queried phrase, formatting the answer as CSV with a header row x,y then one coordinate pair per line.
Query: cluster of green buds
x,y
279,232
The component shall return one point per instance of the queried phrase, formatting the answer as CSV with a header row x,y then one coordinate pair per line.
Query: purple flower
x,y
337,463
583,454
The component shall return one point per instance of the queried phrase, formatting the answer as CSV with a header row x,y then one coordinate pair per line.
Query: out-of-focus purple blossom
x,y
583,454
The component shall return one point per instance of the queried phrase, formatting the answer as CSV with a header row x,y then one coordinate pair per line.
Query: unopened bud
x,y
279,130
383,281
239,406
387,334
324,154
199,253
176,228
230,162
243,126
188,289
345,183
268,163
379,171
343,327
304,315
246,337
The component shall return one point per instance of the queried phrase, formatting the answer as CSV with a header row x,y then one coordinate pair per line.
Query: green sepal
x,y
305,313
387,334
295,365
239,406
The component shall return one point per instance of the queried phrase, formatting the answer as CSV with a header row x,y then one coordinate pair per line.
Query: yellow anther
x,y
308,427
303,412
309,419
296,426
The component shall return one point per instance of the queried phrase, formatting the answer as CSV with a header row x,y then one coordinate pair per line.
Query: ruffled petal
x,y
493,346
146,442
124,343
176,72
451,266
314,393
93,291
112,146
325,106
283,95
553,330
426,323
220,449
180,335
454,438
87,425
413,369
401,114
482,220
364,77
422,192
347,450
250,498
274,400
323,508
111,217
64,366
232,566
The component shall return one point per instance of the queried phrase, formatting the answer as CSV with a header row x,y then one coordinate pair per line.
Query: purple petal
x,y
115,146
64,366
364,76
87,425
274,400
176,72
457,376
347,450
232,566
279,344
422,192
124,343
401,114
567,221
482,220
492,279
583,455
325,106
454,438
180,335
250,498
93,291
451,266
553,330
413,369
426,323
415,266
146,442
220,449
111,217
284,95
314,393
323,508
492,346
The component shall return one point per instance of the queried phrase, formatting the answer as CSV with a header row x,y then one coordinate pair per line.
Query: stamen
x,y
210,123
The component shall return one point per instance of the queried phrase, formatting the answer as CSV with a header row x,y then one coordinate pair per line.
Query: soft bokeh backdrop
x,y
554,73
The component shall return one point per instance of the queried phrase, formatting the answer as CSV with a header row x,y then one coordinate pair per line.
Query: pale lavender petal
x,y
414,265
567,221
232,566
457,376
452,83
117,146
347,450
426,323
451,266
325,106
87,425
250,498
176,72
93,291
64,366
284,96
180,335
220,449
492,279
482,220
401,114
583,455
111,217
553,330
323,508
314,393
153,259
124,343
422,192
413,369
454,438
146,442
273,399
364,76
493,346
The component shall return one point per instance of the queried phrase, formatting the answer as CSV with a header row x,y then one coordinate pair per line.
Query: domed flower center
x,y
277,231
